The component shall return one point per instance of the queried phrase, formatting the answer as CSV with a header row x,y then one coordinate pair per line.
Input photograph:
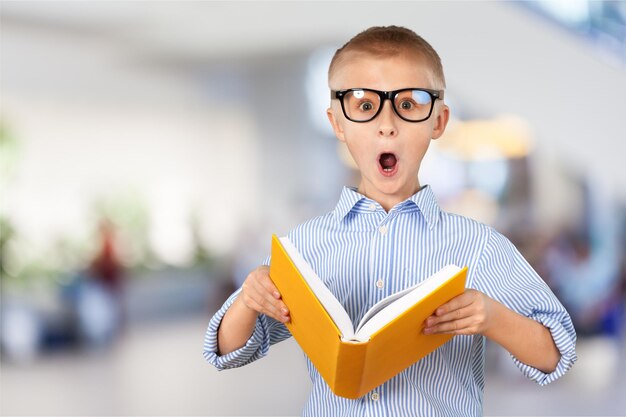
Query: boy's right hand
x,y
259,293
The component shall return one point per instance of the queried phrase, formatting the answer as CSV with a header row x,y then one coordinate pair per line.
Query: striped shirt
x,y
364,254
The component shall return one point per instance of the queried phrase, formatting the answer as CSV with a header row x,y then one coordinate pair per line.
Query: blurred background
x,y
148,150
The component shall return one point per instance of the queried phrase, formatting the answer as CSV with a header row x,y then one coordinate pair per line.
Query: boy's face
x,y
387,150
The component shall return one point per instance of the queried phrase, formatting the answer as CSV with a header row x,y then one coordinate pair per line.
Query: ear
x,y
334,122
441,121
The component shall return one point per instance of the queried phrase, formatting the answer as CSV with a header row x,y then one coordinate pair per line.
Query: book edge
x,y
323,294
388,313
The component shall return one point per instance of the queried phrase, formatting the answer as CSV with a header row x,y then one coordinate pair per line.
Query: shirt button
x,y
383,230
374,396
372,207
380,284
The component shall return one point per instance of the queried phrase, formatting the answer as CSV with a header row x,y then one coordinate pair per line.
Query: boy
x,y
389,233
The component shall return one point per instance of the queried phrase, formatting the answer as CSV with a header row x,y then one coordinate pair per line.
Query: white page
x,y
382,304
394,309
327,299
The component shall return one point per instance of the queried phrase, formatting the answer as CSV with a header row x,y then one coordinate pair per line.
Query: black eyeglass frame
x,y
387,95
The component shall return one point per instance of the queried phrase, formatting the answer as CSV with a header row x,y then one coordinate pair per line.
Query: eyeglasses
x,y
363,104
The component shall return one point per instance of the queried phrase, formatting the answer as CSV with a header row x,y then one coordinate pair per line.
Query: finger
x,y
270,290
259,281
258,299
270,312
267,299
269,286
261,275
457,314
463,326
456,303
264,301
260,287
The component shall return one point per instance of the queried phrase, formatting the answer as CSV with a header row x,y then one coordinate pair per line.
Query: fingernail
x,y
285,311
276,294
428,330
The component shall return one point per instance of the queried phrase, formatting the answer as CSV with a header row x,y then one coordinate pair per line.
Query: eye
x,y
406,105
366,106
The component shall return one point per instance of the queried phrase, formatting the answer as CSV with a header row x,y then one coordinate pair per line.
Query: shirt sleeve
x,y
503,274
266,332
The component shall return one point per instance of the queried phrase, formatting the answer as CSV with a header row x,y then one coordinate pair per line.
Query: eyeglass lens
x,y
363,105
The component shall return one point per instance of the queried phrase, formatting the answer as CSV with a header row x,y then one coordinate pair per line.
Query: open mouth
x,y
388,162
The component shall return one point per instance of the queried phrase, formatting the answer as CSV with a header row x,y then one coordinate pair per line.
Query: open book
x,y
387,340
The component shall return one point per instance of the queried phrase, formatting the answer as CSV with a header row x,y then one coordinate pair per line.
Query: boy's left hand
x,y
468,313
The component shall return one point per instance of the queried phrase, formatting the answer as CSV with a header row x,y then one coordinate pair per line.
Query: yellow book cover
x,y
388,339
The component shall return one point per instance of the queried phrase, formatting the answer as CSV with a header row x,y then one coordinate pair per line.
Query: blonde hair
x,y
387,41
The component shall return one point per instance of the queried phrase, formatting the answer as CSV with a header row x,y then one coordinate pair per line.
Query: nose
x,y
387,120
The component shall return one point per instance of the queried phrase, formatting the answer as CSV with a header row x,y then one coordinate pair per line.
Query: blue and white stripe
x,y
359,245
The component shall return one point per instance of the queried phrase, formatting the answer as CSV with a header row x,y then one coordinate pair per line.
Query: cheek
x,y
355,150
359,149
419,146
354,134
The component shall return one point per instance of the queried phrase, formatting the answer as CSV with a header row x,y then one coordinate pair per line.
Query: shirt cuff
x,y
256,347
565,340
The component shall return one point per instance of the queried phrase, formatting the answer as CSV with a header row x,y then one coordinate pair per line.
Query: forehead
x,y
359,69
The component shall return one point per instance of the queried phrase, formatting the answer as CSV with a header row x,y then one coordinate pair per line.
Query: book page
x,y
395,308
333,307
384,303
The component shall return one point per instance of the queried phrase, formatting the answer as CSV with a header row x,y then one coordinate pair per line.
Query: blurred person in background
x,y
99,303
106,267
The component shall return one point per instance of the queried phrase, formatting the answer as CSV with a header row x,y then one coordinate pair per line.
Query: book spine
x,y
349,373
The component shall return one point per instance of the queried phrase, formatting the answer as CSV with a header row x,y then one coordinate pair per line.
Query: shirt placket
x,y
381,259
382,245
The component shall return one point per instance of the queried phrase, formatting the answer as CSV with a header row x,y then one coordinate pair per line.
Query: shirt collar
x,y
424,200
349,198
